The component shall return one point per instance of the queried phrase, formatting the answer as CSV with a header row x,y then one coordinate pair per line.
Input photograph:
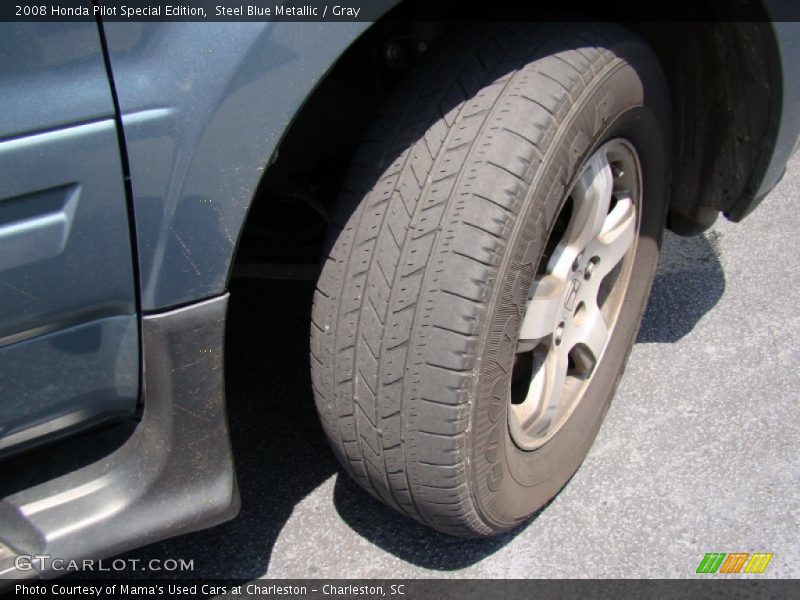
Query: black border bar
x,y
372,10
412,589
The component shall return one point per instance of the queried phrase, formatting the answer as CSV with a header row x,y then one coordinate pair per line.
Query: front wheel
x,y
499,237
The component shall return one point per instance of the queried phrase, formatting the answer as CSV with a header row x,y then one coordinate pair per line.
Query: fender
x,y
203,107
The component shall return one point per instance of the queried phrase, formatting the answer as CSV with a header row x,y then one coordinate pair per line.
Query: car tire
x,y
453,221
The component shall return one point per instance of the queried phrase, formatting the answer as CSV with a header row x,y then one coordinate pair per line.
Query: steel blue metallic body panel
x,y
68,336
51,75
787,35
67,379
93,270
204,106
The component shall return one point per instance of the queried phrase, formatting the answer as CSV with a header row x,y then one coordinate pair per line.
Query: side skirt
x,y
175,474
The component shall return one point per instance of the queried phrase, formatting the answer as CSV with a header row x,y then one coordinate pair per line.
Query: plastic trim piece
x,y
174,475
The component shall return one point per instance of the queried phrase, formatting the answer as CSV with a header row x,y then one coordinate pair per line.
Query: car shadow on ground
x,y
280,451
688,283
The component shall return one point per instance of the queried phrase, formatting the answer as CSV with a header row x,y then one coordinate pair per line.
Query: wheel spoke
x,y
615,238
545,393
541,315
556,367
589,341
592,197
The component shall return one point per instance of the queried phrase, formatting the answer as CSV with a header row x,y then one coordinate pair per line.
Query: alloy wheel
x,y
575,298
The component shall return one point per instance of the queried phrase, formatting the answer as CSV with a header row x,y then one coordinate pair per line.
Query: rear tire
x,y
445,219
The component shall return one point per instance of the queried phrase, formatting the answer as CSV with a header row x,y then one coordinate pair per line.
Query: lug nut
x,y
395,55
558,336
587,272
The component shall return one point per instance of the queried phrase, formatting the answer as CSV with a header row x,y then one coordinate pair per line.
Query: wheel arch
x,y
204,108
725,76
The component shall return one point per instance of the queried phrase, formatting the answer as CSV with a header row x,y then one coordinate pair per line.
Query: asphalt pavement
x,y
698,453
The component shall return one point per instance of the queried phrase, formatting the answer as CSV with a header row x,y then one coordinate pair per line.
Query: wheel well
x,y
721,66
726,89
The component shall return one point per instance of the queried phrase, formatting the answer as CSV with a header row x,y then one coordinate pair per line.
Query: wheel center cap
x,y
573,291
